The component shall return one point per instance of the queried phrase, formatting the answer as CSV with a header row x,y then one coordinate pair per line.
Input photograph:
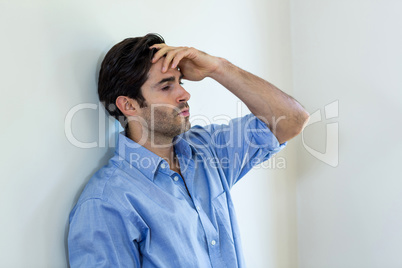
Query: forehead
x,y
155,74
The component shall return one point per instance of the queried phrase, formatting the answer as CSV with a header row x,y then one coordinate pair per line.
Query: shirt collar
x,y
182,147
147,162
138,157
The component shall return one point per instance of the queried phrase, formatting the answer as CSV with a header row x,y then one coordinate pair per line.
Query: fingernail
x,y
163,69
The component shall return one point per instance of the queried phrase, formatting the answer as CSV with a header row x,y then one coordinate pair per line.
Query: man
x,y
164,198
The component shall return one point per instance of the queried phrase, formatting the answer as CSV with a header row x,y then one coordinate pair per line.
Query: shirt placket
x,y
210,232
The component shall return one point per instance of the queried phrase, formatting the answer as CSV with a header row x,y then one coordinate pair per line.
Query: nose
x,y
183,95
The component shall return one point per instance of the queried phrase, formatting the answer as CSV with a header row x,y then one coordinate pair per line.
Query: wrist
x,y
219,70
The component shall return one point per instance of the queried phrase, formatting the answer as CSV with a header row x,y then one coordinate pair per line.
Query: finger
x,y
170,56
157,46
179,56
160,53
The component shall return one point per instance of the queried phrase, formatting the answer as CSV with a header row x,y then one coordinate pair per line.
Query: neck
x,y
158,144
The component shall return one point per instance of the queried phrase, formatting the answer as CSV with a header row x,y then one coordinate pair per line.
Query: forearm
x,y
283,114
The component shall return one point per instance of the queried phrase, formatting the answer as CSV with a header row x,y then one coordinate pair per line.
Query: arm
x,y
99,237
284,115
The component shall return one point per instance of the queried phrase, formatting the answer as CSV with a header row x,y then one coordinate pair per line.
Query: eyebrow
x,y
168,79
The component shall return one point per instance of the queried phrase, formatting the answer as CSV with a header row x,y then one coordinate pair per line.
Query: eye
x,y
166,88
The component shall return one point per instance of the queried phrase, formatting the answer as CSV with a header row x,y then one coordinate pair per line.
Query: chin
x,y
185,125
186,128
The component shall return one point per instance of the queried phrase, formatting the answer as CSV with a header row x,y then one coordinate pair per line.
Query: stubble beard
x,y
164,123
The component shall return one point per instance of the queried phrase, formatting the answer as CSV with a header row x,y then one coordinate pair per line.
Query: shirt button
x,y
213,242
163,165
176,178
198,207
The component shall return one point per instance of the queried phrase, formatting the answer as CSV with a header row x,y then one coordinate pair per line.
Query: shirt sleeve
x,y
101,236
239,145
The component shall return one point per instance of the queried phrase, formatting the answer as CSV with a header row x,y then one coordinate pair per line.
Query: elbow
x,y
293,129
304,118
301,122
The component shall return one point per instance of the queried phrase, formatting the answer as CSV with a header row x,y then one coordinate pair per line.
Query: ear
x,y
127,106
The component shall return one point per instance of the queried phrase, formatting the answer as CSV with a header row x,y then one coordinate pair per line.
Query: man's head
x,y
130,86
124,70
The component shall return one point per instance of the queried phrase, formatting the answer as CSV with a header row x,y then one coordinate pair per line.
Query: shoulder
x,y
228,128
107,183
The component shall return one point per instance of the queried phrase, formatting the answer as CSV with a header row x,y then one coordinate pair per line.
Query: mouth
x,y
185,112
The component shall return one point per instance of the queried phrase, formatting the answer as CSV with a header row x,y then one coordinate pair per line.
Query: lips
x,y
185,112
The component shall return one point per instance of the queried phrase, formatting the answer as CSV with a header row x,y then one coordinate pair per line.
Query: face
x,y
167,112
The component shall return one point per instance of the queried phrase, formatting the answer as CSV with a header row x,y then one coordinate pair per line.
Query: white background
x,y
350,51
308,214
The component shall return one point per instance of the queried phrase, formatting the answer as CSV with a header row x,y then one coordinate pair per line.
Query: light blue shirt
x,y
136,211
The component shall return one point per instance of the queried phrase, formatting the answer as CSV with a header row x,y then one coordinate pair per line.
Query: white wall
x,y
49,55
350,52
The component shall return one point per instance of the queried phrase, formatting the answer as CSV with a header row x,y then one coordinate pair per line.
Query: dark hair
x,y
124,70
